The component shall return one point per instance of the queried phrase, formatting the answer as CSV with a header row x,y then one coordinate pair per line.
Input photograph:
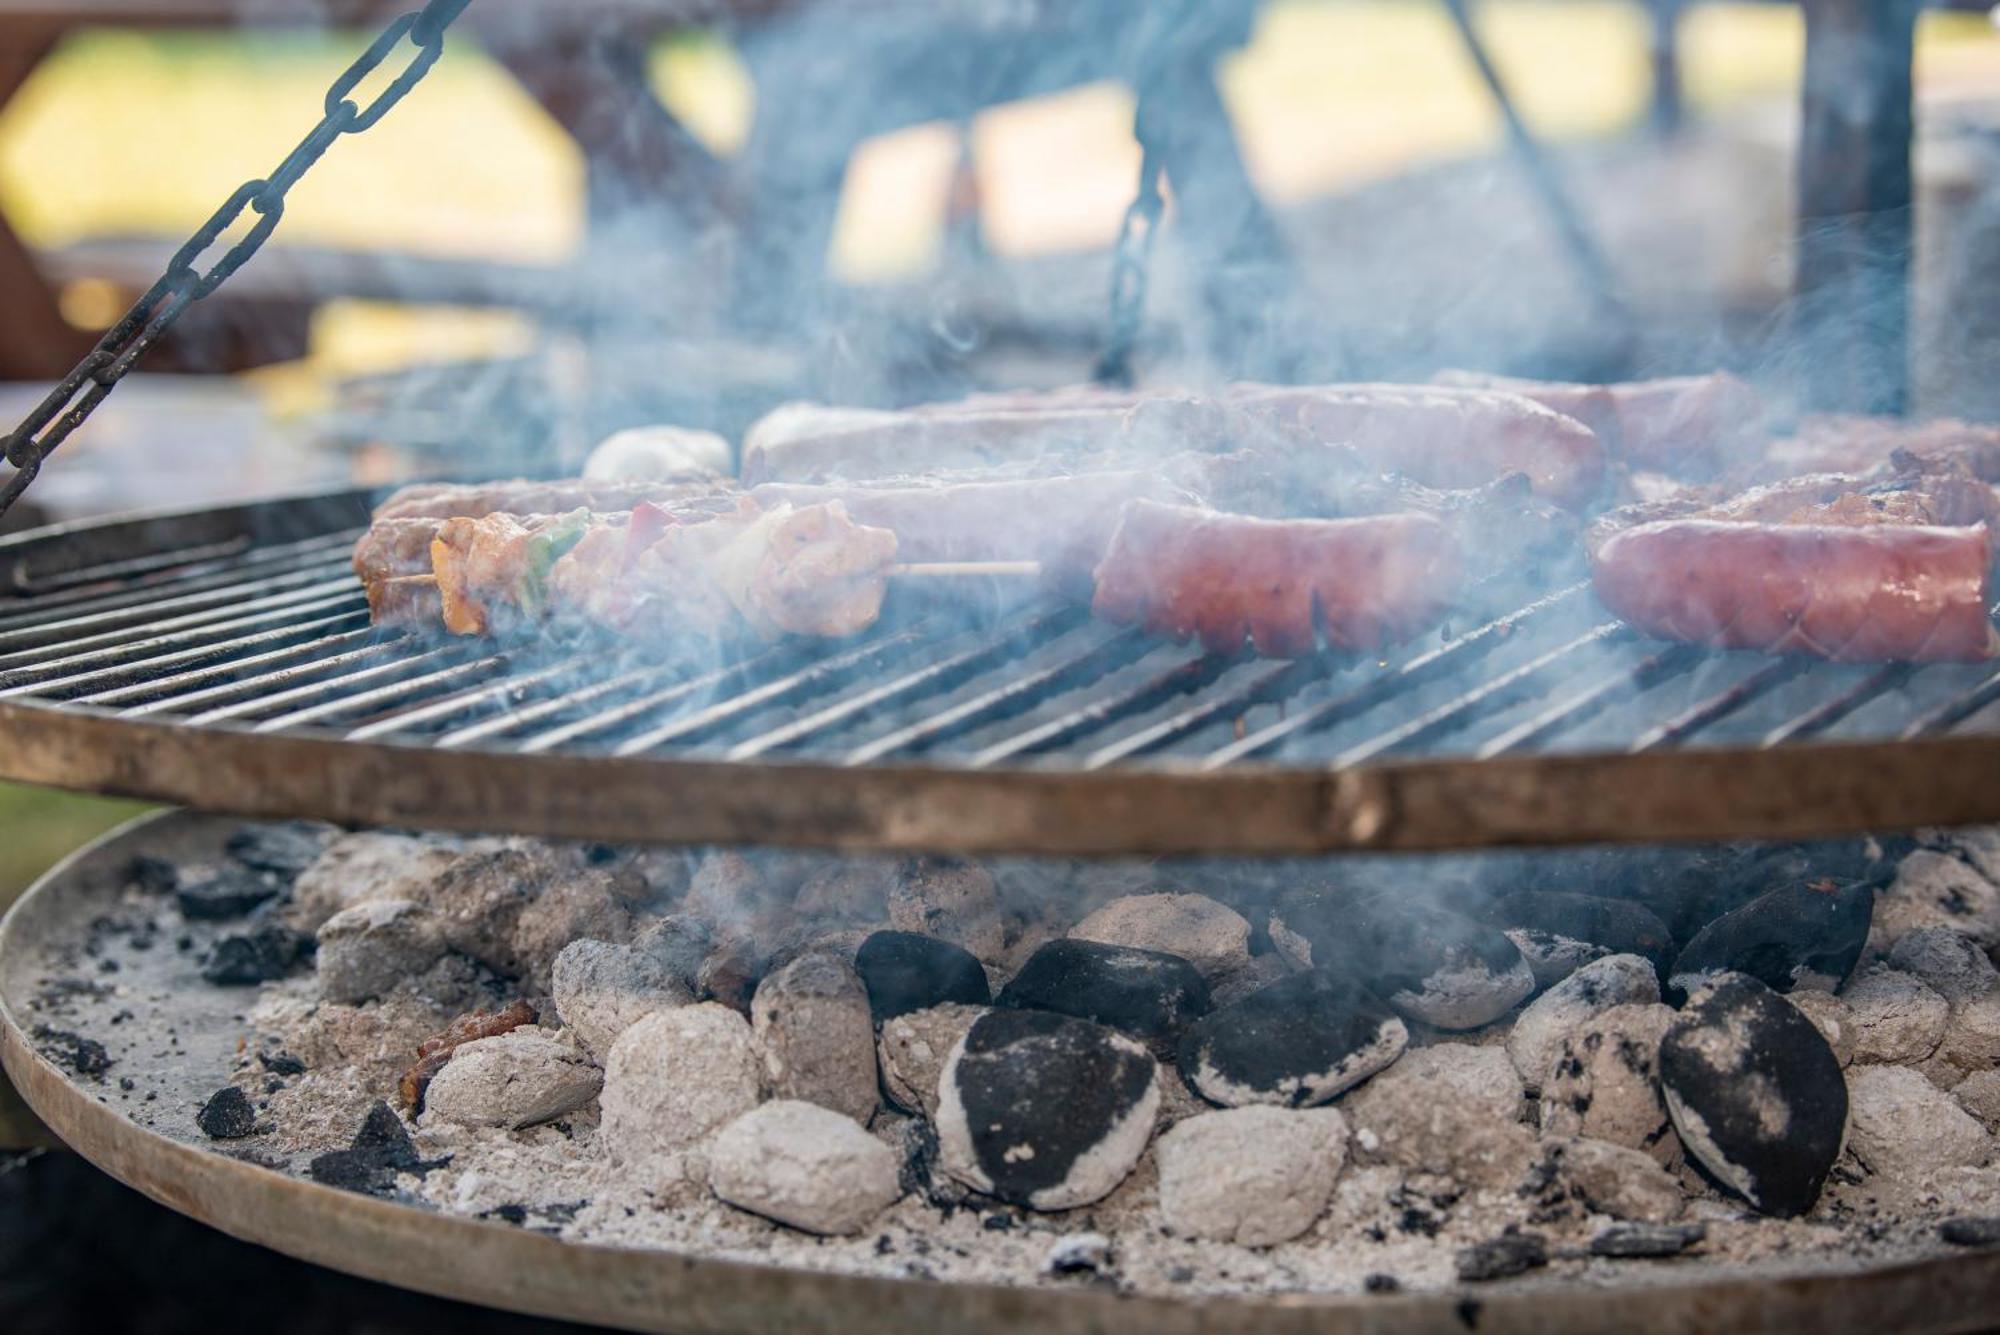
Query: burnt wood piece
x,y
1855,193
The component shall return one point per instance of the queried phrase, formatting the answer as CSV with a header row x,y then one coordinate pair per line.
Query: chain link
x,y
73,399
1132,256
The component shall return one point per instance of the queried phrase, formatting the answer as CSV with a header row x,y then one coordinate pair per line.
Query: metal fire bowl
x,y
506,1267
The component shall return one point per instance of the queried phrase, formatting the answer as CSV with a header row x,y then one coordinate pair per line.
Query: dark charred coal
x,y
381,1149
256,957
1012,1060
85,1056
1429,963
1299,1041
229,893
1640,1241
282,848
227,1115
908,971
155,876
1755,1094
1687,888
1148,994
1558,932
1971,1231
1804,934
1502,1257
281,1063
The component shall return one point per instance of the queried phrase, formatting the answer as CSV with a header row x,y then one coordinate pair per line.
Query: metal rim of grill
x,y
222,658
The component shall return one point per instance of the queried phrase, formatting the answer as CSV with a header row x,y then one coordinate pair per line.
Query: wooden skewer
x,y
963,569
414,598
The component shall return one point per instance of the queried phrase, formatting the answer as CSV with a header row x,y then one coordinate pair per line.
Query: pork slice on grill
x,y
1854,569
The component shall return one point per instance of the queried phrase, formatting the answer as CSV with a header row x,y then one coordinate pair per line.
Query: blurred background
x,y
525,253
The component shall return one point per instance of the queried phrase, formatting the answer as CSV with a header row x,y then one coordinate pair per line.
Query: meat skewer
x,y
784,569
1680,425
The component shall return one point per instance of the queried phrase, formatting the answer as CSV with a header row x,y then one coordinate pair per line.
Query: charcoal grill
x,y
146,1136
223,659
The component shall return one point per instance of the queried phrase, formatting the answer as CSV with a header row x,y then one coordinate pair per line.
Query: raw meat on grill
x,y
1279,585
1064,523
783,569
522,496
1835,443
1436,435
1680,425
1849,569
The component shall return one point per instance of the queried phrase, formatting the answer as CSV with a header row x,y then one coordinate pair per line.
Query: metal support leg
x,y
1585,254
1855,194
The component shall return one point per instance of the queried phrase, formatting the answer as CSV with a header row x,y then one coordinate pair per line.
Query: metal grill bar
x,y
143,596
1004,700
827,672
512,720
1718,706
129,581
1588,703
267,702
136,664
230,614
1955,711
458,703
1502,690
1184,679
1820,717
379,695
73,632
236,681
934,678
1421,670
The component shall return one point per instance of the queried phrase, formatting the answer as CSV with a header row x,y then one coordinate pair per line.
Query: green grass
x,y
39,827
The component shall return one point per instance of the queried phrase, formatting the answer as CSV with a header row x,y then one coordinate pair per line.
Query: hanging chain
x,y
72,401
1131,257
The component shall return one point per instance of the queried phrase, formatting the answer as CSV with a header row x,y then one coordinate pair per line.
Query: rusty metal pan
x,y
520,1270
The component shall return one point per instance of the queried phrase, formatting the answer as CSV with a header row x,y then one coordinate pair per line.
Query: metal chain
x,y
1132,255
77,395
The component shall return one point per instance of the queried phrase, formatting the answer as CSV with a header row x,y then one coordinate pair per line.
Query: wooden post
x,y
1669,108
1851,314
36,343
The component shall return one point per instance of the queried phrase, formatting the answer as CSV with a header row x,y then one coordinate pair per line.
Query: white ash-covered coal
x,y
1354,1074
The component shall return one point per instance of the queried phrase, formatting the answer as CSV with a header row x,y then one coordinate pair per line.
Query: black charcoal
x,y
1148,994
1755,1093
908,971
1298,1042
1043,1110
227,1115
